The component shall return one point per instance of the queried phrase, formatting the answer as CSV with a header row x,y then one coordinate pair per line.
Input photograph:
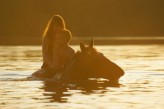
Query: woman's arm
x,y
55,59
46,52
55,54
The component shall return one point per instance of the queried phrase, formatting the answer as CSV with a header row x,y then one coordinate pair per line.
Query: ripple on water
x,y
141,87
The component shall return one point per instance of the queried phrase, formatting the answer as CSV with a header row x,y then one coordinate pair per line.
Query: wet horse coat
x,y
88,63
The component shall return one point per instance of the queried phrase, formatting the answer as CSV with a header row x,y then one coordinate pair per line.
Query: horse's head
x,y
88,63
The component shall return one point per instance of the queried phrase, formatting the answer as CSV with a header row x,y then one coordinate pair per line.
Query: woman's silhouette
x,y
55,46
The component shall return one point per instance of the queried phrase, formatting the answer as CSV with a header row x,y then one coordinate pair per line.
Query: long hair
x,y
56,20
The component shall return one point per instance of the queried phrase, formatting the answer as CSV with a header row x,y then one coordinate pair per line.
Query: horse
x,y
89,63
86,63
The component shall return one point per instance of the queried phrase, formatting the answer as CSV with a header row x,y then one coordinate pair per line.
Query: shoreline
x,y
86,40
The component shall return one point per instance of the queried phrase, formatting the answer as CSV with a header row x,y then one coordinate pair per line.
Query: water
x,y
142,87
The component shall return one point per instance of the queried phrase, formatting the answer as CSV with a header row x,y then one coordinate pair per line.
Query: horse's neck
x,y
68,67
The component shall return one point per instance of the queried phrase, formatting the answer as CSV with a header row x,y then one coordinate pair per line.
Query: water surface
x,y
141,88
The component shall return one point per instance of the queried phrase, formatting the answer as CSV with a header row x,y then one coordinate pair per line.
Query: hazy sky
x,y
83,17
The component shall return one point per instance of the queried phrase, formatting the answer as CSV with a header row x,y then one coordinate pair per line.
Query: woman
x,y
55,36
62,51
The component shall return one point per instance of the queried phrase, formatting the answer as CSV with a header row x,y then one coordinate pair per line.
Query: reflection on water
x,y
60,93
141,87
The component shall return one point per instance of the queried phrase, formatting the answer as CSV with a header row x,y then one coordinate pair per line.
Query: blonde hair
x,y
56,20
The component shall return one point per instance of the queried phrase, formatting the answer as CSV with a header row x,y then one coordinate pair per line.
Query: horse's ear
x,y
82,47
91,43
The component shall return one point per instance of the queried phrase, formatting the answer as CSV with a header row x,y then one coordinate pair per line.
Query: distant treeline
x,y
28,18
